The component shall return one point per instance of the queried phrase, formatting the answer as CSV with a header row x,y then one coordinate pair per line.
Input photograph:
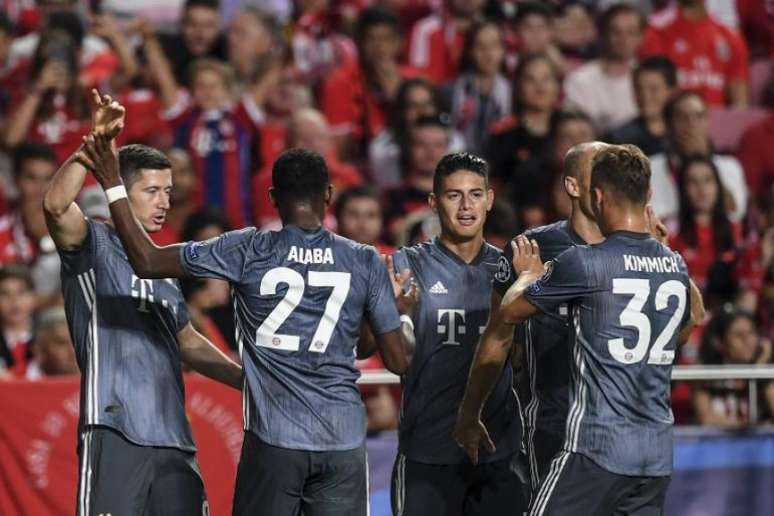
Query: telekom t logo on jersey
x,y
451,322
142,290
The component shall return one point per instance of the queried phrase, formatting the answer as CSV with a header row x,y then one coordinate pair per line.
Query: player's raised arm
x,y
65,221
148,260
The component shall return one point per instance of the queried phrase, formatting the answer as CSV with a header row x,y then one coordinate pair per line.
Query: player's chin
x,y
468,229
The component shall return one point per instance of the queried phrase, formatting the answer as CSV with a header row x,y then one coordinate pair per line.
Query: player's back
x,y
299,299
629,300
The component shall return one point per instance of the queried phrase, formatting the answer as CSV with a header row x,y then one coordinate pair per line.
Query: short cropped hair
x,y
452,163
32,150
300,175
625,169
355,192
658,64
134,158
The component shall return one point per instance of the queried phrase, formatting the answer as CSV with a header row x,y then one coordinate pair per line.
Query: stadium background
x,y
383,88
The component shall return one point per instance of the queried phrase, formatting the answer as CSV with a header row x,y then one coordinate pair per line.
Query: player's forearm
x,y
64,187
147,259
204,358
511,308
491,354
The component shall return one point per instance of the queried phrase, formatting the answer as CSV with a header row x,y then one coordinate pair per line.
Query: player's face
x,y
200,28
17,303
149,196
462,204
740,343
624,36
361,220
488,50
652,93
701,188
209,90
539,87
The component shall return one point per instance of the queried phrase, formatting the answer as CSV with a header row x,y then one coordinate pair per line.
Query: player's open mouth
x,y
159,219
466,220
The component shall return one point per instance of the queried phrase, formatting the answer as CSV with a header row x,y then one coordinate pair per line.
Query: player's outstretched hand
x,y
526,255
656,228
471,436
109,115
99,154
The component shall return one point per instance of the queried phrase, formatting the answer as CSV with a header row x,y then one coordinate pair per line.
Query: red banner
x,y
38,461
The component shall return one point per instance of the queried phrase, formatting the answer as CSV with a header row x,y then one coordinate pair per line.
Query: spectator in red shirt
x,y
436,42
359,217
55,109
481,95
356,100
199,35
17,308
755,149
308,129
732,338
711,58
707,239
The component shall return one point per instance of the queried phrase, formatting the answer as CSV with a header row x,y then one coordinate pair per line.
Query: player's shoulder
x,y
490,252
418,250
549,232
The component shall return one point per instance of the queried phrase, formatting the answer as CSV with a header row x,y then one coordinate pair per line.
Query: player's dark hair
x,y
671,106
355,192
134,158
623,168
207,4
17,272
371,17
723,233
300,175
32,150
452,163
607,16
525,9
658,64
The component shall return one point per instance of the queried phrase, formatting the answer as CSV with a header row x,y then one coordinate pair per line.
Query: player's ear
x,y
272,197
432,200
328,194
650,194
571,187
489,199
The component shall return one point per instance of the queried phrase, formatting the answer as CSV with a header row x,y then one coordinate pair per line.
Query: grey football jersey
x,y
450,318
124,330
299,298
628,298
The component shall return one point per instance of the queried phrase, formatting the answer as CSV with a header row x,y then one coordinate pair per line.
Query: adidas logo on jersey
x,y
438,288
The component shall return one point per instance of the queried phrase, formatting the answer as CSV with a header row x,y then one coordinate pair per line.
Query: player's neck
x,y
626,219
304,217
466,250
584,227
694,12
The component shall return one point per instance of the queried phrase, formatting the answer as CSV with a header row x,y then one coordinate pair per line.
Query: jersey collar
x,y
630,234
451,254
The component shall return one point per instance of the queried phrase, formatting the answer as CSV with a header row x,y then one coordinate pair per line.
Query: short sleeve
x,y
381,311
565,280
223,257
82,259
505,275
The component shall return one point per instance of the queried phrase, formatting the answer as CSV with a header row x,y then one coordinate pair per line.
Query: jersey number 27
x,y
267,336
632,315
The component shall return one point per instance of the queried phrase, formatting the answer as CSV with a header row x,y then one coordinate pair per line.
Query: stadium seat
x,y
728,125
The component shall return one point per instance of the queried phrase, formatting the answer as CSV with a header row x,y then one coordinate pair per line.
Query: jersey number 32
x,y
267,336
632,315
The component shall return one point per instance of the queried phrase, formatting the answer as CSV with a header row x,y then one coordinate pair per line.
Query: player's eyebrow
x,y
460,190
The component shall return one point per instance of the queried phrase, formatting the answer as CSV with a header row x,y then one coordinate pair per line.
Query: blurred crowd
x,y
383,89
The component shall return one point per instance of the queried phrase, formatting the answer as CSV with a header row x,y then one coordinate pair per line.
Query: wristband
x,y
115,193
406,319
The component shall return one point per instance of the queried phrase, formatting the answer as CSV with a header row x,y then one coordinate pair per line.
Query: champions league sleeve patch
x,y
537,287
503,273
192,251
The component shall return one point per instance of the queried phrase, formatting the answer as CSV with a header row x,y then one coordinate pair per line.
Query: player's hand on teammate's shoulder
x,y
404,287
657,229
470,434
526,256
108,116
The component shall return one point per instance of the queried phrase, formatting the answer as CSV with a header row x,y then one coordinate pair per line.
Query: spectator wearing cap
x,y
356,100
436,42
308,129
53,348
524,135
732,337
428,142
481,95
654,81
17,310
688,133
602,88
416,97
199,35
710,57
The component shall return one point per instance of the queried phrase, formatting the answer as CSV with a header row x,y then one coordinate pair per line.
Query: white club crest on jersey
x,y
438,288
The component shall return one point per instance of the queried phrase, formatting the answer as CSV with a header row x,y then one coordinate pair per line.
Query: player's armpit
x,y
393,348
366,344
